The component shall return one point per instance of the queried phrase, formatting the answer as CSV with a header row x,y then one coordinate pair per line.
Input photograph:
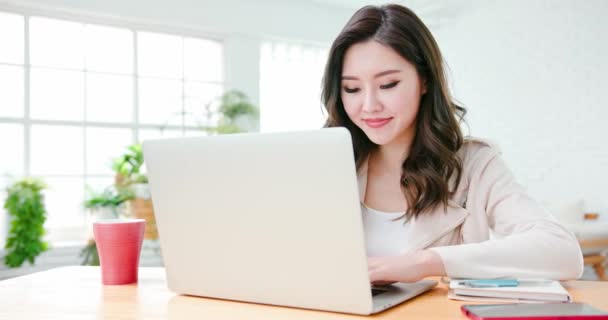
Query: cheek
x,y
405,103
350,106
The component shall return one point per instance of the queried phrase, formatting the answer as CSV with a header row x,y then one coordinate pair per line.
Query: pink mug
x,y
119,245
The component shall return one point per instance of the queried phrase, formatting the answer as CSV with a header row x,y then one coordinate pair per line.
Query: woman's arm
x,y
408,267
529,241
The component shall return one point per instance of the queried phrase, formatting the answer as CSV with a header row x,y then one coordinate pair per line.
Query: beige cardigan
x,y
527,240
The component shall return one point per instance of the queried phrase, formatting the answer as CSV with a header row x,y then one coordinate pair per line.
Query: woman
x,y
429,196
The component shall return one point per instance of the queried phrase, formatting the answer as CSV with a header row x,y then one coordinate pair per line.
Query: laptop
x,y
271,218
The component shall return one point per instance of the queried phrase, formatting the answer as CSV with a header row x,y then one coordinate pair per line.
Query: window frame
x,y
134,26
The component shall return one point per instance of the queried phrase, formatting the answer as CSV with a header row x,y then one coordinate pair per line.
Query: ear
x,y
422,87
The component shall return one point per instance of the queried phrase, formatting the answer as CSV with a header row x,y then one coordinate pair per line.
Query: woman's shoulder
x,y
475,143
476,151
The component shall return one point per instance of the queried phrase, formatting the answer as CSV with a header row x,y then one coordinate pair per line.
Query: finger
x,y
376,275
372,265
374,262
373,276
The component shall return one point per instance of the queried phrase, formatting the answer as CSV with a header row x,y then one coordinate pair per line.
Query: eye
x,y
390,85
349,90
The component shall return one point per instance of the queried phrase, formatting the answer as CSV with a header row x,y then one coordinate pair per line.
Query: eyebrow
x,y
383,73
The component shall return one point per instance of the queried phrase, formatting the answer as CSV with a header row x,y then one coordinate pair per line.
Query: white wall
x,y
533,76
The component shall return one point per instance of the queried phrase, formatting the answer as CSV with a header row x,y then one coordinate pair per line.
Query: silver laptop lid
x,y
268,218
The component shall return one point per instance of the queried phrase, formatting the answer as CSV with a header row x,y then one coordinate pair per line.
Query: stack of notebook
x,y
504,290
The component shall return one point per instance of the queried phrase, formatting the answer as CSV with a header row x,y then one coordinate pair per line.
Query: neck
x,y
390,156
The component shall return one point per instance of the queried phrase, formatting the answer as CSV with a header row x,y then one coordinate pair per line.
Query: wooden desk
x,y
77,293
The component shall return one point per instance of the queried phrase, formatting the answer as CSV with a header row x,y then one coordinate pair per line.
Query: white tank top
x,y
384,236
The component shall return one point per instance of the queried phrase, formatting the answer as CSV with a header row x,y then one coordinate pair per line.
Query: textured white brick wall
x,y
533,75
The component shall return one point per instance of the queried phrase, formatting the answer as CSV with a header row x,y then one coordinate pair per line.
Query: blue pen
x,y
490,283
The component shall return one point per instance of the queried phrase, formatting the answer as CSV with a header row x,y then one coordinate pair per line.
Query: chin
x,y
378,139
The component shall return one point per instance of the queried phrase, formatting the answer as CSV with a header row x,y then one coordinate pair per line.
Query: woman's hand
x,y
408,267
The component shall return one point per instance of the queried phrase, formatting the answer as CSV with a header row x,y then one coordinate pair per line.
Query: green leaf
x,y
129,164
108,198
25,203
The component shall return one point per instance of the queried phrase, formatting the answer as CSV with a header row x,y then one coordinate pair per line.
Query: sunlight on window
x,y
109,49
160,101
11,33
146,134
196,133
63,200
290,82
203,60
87,101
56,43
159,55
98,184
57,94
201,102
48,159
11,91
109,98
4,223
103,145
11,160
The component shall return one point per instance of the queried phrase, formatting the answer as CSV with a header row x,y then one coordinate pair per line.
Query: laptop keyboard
x,y
376,292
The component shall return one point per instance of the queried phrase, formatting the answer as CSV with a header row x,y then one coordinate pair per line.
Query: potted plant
x,y
131,178
106,204
102,205
89,254
25,205
128,167
237,113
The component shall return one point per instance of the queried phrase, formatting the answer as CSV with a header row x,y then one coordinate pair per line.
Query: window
x,y
290,87
11,69
74,95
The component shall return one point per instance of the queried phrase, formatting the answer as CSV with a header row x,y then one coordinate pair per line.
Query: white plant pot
x,y
247,123
96,214
141,190
103,213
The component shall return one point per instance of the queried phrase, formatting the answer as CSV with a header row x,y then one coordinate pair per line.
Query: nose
x,y
371,103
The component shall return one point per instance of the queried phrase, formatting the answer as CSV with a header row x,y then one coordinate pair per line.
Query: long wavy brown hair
x,y
432,171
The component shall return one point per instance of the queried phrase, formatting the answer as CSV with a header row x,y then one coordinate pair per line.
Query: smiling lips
x,y
377,122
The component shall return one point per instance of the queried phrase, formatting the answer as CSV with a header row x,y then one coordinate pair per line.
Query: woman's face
x,y
381,92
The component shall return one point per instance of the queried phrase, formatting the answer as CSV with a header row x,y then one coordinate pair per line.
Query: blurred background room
x,y
83,83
